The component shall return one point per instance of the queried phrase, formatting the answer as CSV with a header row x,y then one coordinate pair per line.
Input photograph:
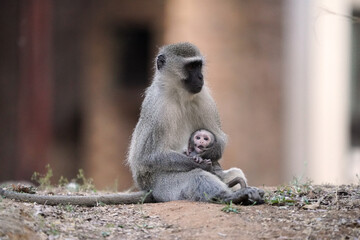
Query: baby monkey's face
x,y
202,139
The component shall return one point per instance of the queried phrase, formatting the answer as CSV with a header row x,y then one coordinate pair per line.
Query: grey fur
x,y
169,114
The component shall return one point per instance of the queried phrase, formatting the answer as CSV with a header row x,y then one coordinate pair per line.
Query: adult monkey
x,y
176,104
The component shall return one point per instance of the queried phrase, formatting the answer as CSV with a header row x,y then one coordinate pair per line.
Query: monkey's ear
x,y
160,61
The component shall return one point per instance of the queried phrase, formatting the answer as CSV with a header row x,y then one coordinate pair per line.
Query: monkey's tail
x,y
92,200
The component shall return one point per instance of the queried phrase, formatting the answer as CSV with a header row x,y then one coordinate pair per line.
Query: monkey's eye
x,y
197,137
206,139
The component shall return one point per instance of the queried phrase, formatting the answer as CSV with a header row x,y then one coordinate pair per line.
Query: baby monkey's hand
x,y
200,160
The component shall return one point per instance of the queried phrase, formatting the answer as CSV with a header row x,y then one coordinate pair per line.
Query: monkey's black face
x,y
195,79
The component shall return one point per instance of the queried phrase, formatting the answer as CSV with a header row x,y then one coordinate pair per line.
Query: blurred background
x,y
285,75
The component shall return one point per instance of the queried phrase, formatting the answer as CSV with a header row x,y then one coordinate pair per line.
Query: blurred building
x,y
285,75
322,90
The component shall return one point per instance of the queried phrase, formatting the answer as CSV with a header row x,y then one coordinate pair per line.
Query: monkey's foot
x,y
247,196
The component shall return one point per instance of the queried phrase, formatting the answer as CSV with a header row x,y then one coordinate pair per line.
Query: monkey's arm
x,y
174,161
237,180
92,200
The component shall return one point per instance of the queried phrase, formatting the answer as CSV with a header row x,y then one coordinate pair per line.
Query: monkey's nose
x,y
201,77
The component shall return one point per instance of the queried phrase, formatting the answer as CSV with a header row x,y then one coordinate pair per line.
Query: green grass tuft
x,y
231,208
290,194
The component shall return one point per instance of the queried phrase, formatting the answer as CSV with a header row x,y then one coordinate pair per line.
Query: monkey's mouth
x,y
199,148
195,89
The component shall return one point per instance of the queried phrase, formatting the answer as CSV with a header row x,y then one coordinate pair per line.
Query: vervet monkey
x,y
177,103
199,143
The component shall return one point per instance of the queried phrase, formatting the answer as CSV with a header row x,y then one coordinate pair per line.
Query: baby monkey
x,y
202,140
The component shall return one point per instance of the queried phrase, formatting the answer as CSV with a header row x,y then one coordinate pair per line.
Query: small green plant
x,y
230,207
141,203
105,234
63,181
53,230
87,184
100,204
44,180
301,188
69,208
145,225
280,199
305,200
290,194
110,225
142,200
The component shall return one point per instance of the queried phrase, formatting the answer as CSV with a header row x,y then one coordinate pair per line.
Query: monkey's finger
x,y
199,159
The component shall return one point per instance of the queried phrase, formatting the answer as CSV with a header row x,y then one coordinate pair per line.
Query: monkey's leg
x,y
232,177
236,181
205,186
199,185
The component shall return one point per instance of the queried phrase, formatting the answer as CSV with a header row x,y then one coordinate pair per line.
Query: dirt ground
x,y
290,212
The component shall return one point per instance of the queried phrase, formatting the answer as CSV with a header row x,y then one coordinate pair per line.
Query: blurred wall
x,y
111,101
26,87
9,82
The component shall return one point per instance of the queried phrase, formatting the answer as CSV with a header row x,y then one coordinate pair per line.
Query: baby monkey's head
x,y
201,140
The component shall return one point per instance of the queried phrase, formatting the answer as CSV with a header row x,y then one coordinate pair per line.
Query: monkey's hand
x,y
200,160
207,161
204,164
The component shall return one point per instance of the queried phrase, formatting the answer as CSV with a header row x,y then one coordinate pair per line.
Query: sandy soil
x,y
321,212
